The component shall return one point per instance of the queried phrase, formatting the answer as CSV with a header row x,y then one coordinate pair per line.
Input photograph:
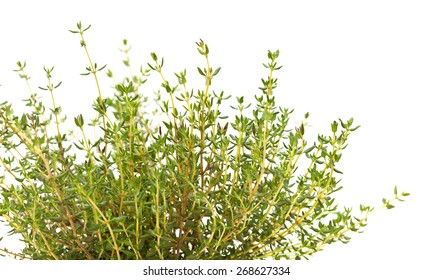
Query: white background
x,y
370,60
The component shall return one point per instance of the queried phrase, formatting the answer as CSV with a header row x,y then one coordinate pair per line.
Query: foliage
x,y
197,185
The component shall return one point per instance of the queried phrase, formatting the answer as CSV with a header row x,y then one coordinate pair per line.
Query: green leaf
x,y
389,206
119,219
343,124
309,149
355,128
153,55
79,121
201,71
334,126
87,28
338,171
216,71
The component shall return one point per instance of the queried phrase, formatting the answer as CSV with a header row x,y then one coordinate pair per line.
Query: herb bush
x,y
197,185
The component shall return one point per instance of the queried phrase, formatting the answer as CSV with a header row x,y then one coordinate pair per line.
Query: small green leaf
x,y
216,71
389,206
338,171
309,149
334,126
79,121
87,28
119,219
201,71
154,56
355,128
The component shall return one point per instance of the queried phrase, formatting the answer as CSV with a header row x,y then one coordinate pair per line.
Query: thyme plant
x,y
197,185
